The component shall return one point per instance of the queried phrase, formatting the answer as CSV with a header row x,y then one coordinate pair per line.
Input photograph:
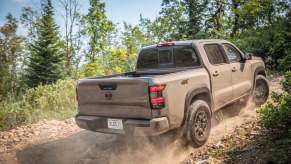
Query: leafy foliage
x,y
276,114
169,25
132,40
10,55
195,10
92,69
72,41
98,28
56,101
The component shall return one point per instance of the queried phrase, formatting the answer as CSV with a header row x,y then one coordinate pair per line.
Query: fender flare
x,y
258,69
191,94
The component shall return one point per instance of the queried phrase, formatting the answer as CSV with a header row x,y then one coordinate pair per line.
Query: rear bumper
x,y
130,126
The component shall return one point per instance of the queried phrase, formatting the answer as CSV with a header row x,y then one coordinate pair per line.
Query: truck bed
x,y
118,96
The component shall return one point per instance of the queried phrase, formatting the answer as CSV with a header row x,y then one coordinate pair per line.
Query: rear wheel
x,y
261,90
199,123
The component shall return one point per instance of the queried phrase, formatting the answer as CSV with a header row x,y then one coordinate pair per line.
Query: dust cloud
x,y
64,143
170,149
226,120
155,150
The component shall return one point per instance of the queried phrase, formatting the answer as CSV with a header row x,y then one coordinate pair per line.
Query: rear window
x,y
170,57
148,59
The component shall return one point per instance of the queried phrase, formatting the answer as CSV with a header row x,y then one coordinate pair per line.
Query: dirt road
x,y
61,142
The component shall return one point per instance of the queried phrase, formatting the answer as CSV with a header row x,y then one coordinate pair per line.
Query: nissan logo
x,y
108,95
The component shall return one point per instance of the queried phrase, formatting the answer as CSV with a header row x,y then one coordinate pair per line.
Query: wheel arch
x,y
258,71
203,93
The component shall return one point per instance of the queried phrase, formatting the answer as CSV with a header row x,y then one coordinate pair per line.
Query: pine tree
x,y
46,60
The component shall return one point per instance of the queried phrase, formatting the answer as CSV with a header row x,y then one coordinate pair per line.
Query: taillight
x,y
159,88
156,96
77,96
164,44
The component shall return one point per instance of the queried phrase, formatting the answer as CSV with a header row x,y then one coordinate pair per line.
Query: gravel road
x,y
62,142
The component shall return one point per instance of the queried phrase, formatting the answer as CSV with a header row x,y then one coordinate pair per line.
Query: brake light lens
x,y
157,100
156,97
164,44
77,97
159,88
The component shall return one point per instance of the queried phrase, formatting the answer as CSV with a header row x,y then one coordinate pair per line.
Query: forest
x,y
38,69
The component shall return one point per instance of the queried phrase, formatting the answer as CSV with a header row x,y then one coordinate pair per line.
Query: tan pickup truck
x,y
175,85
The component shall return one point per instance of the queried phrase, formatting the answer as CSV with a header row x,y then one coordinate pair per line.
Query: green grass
x,y
56,101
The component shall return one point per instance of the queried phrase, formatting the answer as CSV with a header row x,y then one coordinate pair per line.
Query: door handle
x,y
233,69
215,73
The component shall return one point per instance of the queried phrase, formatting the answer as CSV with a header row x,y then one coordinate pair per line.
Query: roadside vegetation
x,y
265,140
55,101
38,68
276,113
275,117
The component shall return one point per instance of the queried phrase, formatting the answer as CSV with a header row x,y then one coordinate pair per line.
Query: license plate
x,y
114,123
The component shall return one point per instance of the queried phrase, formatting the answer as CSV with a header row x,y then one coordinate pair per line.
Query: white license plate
x,y
114,123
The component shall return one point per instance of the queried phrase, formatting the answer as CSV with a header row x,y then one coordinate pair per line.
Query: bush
x,y
56,101
276,114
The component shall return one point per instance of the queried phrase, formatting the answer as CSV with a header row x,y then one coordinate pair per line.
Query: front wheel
x,y
261,90
199,123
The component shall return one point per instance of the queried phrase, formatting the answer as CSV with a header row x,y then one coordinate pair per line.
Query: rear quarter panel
x,y
178,85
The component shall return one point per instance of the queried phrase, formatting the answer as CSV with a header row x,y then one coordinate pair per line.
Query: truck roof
x,y
187,42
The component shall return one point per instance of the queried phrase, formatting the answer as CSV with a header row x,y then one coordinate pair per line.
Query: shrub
x,y
56,101
276,114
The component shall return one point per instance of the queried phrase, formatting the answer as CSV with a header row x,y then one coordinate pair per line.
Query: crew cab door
x,y
240,71
220,74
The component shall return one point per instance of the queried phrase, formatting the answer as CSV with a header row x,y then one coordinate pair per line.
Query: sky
x,y
117,11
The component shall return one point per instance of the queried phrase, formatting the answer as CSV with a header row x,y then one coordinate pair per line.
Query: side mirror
x,y
248,56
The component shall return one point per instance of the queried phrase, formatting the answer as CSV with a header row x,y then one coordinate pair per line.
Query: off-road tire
x,y
261,90
198,123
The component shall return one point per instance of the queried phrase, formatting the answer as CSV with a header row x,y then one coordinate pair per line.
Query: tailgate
x,y
121,97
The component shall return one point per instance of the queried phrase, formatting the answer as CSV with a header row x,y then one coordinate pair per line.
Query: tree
x,y
10,52
178,20
98,28
196,15
132,39
282,43
72,30
46,60
28,19
172,20
215,22
169,25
